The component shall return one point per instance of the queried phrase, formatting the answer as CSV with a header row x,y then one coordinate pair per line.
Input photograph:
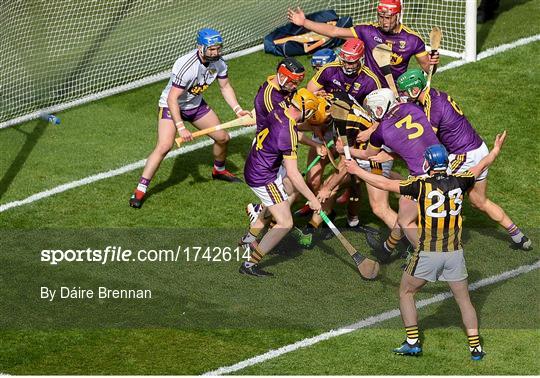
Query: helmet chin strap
x,y
203,49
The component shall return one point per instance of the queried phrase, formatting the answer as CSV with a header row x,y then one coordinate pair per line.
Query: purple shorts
x,y
190,115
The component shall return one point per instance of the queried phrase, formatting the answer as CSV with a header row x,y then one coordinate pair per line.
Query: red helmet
x,y
292,71
352,51
389,7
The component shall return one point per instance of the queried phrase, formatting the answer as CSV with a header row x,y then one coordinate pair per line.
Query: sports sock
x,y
412,334
515,233
395,236
143,184
219,165
251,236
256,255
474,343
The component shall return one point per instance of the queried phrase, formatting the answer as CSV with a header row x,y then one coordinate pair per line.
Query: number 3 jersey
x,y
407,131
194,76
276,140
439,209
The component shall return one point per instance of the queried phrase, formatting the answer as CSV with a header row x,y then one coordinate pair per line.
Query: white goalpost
x,y
56,54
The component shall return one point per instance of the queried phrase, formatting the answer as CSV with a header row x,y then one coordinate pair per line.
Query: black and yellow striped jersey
x,y
439,209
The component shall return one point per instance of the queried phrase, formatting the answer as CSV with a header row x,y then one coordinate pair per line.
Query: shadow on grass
x,y
188,166
483,30
24,152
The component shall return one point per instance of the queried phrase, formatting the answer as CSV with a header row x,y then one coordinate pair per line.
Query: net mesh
x,y
56,51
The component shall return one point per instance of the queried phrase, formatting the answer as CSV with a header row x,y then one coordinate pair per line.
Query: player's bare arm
x,y
298,182
383,157
362,154
230,97
490,158
174,108
305,140
377,181
331,185
297,17
426,61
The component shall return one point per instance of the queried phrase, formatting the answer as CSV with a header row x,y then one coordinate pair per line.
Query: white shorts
x,y
273,193
463,162
328,136
437,266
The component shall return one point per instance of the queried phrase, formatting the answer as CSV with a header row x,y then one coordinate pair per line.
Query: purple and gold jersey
x,y
268,98
277,140
405,43
194,76
407,131
452,127
332,79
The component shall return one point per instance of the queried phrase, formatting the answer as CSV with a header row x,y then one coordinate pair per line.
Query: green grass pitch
x,y
204,315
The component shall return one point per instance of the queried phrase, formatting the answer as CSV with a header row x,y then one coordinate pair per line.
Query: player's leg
x,y
281,213
314,177
404,229
304,240
380,205
408,287
460,289
204,119
165,139
478,198
407,216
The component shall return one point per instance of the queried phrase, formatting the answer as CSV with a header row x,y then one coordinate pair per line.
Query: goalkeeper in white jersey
x,y
182,101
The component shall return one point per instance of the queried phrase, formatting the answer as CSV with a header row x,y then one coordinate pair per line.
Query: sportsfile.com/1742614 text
x,y
112,254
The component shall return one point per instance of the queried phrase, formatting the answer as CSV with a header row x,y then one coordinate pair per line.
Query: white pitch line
x,y
367,322
115,172
492,51
139,164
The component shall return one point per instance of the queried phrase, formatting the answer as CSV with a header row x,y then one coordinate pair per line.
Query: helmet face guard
x,y
389,9
413,78
379,102
208,38
348,67
351,56
291,72
306,102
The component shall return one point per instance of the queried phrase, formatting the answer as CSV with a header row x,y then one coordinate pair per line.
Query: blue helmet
x,y
322,57
209,37
436,158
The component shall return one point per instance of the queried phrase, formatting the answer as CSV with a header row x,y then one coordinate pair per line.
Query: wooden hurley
x,y
383,54
369,269
242,121
435,37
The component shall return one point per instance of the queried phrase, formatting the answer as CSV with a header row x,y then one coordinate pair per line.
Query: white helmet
x,y
379,102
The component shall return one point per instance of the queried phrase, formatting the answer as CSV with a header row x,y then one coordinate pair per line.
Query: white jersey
x,y
190,74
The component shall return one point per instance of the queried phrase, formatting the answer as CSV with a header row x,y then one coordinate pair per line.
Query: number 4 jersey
x,y
439,209
276,140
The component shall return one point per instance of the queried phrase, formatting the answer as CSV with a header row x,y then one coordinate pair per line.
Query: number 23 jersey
x,y
439,209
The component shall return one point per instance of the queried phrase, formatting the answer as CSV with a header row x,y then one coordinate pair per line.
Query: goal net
x,y
60,53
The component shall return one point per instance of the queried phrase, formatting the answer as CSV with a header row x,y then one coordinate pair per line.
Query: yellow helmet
x,y
306,102
322,113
